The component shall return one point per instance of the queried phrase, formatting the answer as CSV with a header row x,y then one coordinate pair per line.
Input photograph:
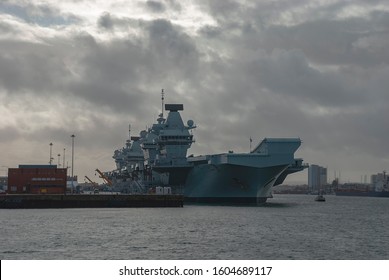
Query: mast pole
x,y
63,165
162,100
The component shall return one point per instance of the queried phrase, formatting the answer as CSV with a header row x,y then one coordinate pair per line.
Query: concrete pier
x,y
12,201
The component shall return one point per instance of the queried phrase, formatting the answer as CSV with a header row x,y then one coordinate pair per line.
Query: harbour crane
x,y
93,183
105,178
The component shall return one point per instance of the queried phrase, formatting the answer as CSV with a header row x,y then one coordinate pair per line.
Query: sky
x,y
318,70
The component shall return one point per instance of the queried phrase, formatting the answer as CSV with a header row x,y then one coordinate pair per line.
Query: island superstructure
x,y
158,158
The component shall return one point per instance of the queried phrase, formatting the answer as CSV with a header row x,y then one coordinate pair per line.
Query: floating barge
x,y
30,201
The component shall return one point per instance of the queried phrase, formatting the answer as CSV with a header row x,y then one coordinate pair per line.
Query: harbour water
x,y
287,227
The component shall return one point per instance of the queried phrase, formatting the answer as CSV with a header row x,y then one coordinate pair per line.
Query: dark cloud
x,y
105,21
172,50
29,66
174,5
110,22
113,73
289,73
332,42
155,6
264,69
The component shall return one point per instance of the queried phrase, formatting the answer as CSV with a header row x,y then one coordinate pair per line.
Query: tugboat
x,y
320,197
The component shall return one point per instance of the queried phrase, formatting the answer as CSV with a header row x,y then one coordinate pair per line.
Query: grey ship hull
x,y
244,177
176,175
228,183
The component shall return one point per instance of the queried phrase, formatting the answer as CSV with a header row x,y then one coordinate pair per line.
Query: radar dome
x,y
190,123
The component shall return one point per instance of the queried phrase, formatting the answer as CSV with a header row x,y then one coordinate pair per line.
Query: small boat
x,y
320,197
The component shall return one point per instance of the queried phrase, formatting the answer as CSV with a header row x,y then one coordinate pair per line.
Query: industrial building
x,y
317,178
3,183
37,179
379,182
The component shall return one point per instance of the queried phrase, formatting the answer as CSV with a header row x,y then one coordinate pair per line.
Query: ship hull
x,y
229,183
379,194
351,193
363,193
176,176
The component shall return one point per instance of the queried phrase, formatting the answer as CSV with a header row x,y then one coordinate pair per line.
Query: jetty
x,y
30,201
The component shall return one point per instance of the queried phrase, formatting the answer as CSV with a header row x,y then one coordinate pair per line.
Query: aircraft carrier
x,y
158,158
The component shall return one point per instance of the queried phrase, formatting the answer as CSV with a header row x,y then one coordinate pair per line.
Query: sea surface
x,y
287,227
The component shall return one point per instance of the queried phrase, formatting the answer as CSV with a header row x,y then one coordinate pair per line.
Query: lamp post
x,y
59,163
73,162
63,165
51,149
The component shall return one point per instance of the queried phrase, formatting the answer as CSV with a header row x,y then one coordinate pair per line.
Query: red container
x,y
37,179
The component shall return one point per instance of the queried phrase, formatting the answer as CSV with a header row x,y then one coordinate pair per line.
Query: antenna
x,y
162,99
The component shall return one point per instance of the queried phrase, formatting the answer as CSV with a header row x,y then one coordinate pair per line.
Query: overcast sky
x,y
318,70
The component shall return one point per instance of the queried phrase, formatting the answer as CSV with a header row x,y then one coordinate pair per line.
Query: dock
x,y
31,201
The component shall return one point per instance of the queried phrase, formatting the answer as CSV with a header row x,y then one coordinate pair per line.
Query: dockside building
x,y
317,177
37,179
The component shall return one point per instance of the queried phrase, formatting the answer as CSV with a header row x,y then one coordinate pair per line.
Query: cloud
x,y
40,14
289,73
105,21
155,6
315,70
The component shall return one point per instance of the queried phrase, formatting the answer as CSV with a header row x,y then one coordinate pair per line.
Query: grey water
x,y
286,227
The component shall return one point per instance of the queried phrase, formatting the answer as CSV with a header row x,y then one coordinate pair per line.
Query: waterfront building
x,y
3,182
379,182
37,179
317,178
